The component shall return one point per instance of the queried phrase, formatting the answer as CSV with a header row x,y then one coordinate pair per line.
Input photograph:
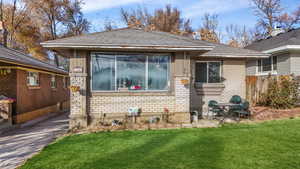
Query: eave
x,y
248,56
282,49
126,47
32,67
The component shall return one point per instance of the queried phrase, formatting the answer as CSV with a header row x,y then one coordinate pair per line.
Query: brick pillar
x,y
78,116
182,95
78,100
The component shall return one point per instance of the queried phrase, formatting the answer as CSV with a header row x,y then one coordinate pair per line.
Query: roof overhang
x,y
237,56
282,49
125,47
13,62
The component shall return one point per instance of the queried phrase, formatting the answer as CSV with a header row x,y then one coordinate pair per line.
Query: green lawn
x,y
268,145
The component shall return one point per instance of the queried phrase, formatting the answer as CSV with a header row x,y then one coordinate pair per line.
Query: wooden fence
x,y
256,85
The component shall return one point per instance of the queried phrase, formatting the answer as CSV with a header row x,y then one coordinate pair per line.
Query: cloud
x,y
92,5
214,6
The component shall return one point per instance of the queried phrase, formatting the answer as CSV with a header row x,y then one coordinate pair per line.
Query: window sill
x,y
266,73
34,87
213,89
137,93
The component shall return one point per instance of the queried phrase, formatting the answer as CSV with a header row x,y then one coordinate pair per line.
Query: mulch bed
x,y
265,113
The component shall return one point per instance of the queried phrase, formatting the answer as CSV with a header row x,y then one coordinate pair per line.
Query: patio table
x,y
225,107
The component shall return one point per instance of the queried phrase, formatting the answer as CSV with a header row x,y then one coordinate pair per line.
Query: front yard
x,y
274,144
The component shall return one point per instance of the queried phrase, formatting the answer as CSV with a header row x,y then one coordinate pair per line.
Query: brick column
x,y
182,96
78,100
78,116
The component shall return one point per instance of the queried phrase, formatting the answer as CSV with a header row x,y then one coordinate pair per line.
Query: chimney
x,y
276,31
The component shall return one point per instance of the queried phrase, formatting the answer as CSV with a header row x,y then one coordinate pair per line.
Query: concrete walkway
x,y
20,144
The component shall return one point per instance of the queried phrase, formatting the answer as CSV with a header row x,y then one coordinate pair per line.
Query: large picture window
x,y
267,64
208,72
132,72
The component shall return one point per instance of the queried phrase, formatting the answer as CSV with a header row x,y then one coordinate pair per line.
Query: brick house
x,y
38,88
149,70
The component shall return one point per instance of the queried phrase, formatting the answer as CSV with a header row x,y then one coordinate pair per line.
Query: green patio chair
x,y
236,99
214,107
241,110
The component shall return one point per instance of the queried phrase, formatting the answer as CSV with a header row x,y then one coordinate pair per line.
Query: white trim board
x,y
283,48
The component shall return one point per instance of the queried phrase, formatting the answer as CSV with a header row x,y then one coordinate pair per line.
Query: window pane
x,y
274,62
131,72
103,72
214,72
267,64
201,72
158,72
259,65
33,79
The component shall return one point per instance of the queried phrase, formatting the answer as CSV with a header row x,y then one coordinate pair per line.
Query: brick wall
x,y
119,105
30,99
86,104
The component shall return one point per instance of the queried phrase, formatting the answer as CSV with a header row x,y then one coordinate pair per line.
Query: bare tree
x,y
49,14
238,36
4,30
109,25
267,12
166,19
288,21
208,30
270,13
73,19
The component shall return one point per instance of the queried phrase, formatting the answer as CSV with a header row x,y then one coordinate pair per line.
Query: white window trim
x,y
38,80
221,71
265,73
93,54
55,83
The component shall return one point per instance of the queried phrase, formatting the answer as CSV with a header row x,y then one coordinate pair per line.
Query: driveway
x,y
20,144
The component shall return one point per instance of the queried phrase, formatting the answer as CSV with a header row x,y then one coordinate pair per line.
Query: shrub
x,y
282,93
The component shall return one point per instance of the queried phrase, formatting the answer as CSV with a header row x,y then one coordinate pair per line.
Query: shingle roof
x,y
291,37
136,37
19,58
128,37
222,50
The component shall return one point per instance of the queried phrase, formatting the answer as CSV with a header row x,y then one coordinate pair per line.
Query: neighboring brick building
x,y
149,70
38,88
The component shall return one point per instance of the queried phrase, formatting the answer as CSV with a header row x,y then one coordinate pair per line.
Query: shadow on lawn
x,y
171,151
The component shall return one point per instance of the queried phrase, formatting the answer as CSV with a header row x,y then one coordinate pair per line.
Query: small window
x,y
208,72
53,81
33,79
267,64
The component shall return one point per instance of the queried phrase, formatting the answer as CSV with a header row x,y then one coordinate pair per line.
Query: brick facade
x,y
117,106
91,108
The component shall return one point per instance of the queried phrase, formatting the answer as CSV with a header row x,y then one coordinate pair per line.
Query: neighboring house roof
x,y
15,57
283,41
226,51
129,38
132,38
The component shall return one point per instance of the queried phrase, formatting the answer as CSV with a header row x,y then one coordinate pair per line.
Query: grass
x,y
274,144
